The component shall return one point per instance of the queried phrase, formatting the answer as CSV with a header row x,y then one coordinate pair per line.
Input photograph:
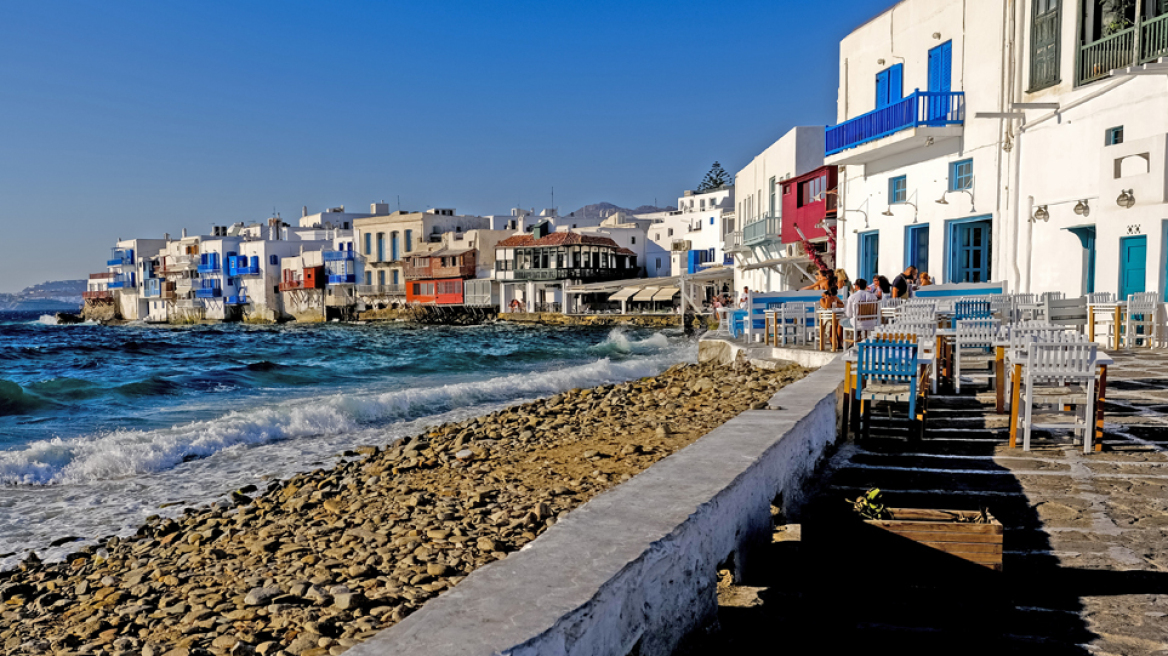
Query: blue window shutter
x,y
882,89
895,83
947,67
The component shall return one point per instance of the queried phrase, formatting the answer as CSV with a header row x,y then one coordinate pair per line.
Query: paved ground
x,y
1086,542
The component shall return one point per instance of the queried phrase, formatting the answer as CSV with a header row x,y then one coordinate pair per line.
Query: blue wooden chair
x,y
971,309
887,370
738,323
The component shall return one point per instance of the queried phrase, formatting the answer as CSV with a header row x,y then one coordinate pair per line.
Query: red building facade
x,y
807,203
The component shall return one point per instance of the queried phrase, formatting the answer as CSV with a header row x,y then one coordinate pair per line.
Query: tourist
x,y
821,282
745,297
902,282
861,295
830,300
717,304
843,284
880,287
925,279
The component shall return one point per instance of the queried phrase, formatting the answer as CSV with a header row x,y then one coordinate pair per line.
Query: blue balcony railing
x,y
120,257
342,278
766,229
921,108
338,256
242,265
242,299
209,267
209,292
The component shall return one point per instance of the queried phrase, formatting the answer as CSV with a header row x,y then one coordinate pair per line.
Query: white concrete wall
x,y
635,568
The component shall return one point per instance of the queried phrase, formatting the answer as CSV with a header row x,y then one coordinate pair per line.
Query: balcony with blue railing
x,y
901,126
209,289
242,299
242,265
339,256
209,264
120,257
342,278
121,281
761,231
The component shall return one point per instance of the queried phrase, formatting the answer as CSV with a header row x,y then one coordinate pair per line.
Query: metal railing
x,y
289,285
381,290
209,292
733,241
342,278
338,256
574,274
242,299
1099,58
920,108
213,267
762,230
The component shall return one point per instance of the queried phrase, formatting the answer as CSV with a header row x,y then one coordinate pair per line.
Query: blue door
x,y
969,251
393,251
940,80
889,85
1133,265
916,247
869,255
381,247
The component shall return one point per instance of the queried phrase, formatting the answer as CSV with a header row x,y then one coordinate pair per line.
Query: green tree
x,y
716,177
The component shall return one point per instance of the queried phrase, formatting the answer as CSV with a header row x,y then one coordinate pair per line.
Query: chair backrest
x,y
968,308
891,302
1051,296
889,335
759,302
1060,362
869,311
976,333
799,310
1065,311
1000,303
1142,303
1100,297
921,309
1028,299
885,362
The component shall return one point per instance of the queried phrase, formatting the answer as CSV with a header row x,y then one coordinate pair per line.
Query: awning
x,y
646,294
624,293
766,264
666,294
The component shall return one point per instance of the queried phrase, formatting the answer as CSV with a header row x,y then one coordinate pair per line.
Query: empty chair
x,y
1101,312
1142,319
969,308
926,340
916,309
1060,375
887,370
974,344
1026,307
1065,312
888,309
1002,307
737,323
795,319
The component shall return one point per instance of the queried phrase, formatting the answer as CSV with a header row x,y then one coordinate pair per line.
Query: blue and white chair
x,y
888,370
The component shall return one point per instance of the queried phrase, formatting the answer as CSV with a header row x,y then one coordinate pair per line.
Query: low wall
x,y
558,319
634,570
727,351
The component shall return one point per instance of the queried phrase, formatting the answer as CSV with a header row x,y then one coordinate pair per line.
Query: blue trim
x,y
950,252
865,268
897,189
961,289
759,303
921,108
965,176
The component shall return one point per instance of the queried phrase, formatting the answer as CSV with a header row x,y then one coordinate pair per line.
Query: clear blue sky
x,y
135,118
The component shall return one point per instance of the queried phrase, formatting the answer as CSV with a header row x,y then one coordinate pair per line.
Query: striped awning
x,y
646,294
666,293
624,293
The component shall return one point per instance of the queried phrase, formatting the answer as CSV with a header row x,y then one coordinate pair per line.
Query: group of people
x,y
837,287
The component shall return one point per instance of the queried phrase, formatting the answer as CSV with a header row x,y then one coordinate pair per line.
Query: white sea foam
x,y
48,319
107,484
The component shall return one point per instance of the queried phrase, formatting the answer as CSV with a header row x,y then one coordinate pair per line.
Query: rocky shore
x,y
317,563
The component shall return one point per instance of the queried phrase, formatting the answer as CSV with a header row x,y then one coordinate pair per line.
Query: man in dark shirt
x,y
900,284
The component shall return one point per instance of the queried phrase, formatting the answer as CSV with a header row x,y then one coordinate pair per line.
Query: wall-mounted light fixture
x,y
1082,208
1126,199
1041,214
937,35
880,62
916,210
942,201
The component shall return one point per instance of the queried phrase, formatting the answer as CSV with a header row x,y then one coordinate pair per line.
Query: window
x,y
711,222
1114,136
809,190
898,189
409,240
671,232
274,260
381,277
368,277
393,249
658,263
396,273
381,247
961,175
1044,44
772,205
635,239
889,85
368,243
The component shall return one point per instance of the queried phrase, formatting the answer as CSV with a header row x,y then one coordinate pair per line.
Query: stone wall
x,y
558,319
634,570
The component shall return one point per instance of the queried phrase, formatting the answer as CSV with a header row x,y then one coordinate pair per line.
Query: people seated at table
x,y
831,300
925,280
860,295
903,282
843,283
821,282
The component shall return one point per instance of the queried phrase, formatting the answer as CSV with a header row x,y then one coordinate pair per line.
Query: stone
x,y
261,596
348,600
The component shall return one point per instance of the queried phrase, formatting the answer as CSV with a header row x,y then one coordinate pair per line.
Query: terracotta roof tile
x,y
556,239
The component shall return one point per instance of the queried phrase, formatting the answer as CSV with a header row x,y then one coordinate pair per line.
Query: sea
x,y
103,426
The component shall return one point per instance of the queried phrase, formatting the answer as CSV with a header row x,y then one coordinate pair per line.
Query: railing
x,y
547,307
573,274
1098,59
102,276
212,267
189,303
289,285
338,256
462,271
342,278
120,257
102,295
185,284
209,292
762,230
921,108
243,266
733,241
120,281
176,263
242,299
381,290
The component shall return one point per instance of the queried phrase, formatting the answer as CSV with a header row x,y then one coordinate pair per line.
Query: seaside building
x,y
130,264
692,237
788,176
437,273
1017,141
302,286
534,269
384,241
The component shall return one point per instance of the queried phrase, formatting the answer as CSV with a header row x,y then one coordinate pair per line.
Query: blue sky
x,y
129,118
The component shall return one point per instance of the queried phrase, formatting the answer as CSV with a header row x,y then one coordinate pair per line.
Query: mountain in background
x,y
608,209
53,296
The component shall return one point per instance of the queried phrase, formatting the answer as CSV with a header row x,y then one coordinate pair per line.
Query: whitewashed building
x,y
1019,141
692,237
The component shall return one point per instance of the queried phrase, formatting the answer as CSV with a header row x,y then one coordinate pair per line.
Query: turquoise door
x,y
969,251
916,247
869,255
940,79
1133,265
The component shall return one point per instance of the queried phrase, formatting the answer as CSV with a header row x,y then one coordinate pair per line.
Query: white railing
x,y
381,290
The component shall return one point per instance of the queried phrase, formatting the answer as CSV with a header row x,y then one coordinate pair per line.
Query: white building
x,y
693,236
757,240
130,264
1025,156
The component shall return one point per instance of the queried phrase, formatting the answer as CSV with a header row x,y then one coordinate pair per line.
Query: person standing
x,y
902,282
745,298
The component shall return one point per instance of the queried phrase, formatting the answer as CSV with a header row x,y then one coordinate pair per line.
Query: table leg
x,y
1099,407
1015,397
848,402
1090,324
819,320
835,338
1000,379
1118,327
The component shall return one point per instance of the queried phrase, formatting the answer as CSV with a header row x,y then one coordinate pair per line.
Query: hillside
x,y
608,209
52,296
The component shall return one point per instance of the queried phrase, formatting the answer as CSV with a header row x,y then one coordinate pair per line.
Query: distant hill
x,y
57,295
608,209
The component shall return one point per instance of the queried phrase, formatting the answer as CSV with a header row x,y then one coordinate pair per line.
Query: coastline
x,y
325,559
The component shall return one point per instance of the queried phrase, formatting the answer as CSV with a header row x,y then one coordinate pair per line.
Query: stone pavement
x,y
1085,565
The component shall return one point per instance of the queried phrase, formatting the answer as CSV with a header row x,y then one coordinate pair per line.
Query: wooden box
x,y
941,530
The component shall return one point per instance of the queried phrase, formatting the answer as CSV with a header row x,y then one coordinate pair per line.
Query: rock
x,y
348,600
465,454
261,596
437,569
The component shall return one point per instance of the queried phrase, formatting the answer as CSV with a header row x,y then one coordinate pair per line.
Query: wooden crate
x,y
940,530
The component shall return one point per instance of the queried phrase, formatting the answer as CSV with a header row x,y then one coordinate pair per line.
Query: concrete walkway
x,y
1085,565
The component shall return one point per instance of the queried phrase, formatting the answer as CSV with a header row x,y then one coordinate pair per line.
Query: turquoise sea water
x,y
100,425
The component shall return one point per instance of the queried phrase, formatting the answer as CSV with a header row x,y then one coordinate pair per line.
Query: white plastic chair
x,y
1101,306
867,318
1026,307
795,317
1142,319
888,309
974,344
1059,374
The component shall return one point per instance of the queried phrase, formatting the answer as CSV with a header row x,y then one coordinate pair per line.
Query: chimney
x,y
166,236
303,211
184,233
379,209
